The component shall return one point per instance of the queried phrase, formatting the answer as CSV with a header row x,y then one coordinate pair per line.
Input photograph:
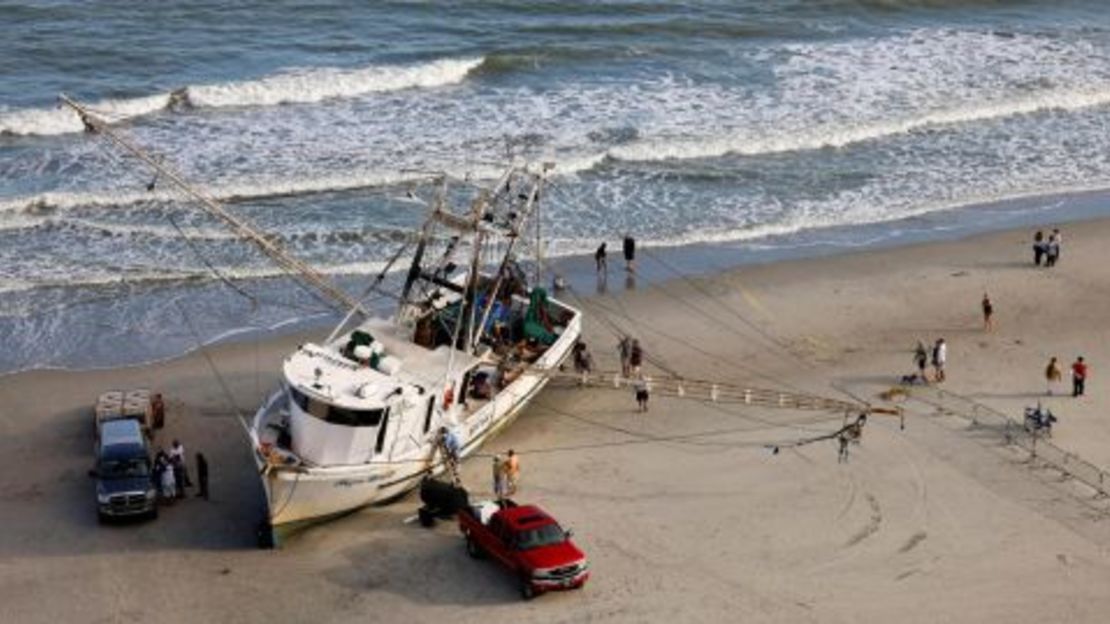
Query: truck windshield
x,y
124,468
545,535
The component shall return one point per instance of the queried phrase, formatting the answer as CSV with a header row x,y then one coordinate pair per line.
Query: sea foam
x,y
293,86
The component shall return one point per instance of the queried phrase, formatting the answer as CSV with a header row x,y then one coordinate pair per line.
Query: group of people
x,y
629,249
938,356
506,474
171,475
1053,375
1047,249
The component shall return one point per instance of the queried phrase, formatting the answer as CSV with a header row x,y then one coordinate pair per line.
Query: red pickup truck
x,y
528,542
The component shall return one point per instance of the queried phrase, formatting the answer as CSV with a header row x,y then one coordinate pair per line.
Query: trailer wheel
x,y
473,549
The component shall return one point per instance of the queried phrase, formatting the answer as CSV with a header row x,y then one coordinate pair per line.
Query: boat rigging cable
x,y
692,283
300,270
601,311
764,334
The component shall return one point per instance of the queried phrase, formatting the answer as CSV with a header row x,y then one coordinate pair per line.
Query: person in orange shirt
x,y
512,472
1053,374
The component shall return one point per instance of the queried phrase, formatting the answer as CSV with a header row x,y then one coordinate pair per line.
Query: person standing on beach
x,y
202,476
641,387
177,458
629,253
167,481
1078,377
512,472
624,349
1038,247
1052,374
1052,249
601,261
499,490
921,359
988,312
635,357
940,358
583,362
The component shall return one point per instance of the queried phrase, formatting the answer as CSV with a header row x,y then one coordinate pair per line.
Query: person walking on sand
x,y
1039,247
601,261
1078,377
988,312
940,358
202,476
629,253
641,387
1052,374
921,359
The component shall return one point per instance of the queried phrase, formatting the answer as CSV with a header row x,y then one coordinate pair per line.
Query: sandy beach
x,y
685,512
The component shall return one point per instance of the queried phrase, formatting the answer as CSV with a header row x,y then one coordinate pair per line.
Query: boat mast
x,y
514,235
240,226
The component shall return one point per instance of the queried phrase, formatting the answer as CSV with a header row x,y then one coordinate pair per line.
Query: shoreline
x,y
662,263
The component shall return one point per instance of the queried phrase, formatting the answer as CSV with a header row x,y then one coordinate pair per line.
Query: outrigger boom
x,y
240,226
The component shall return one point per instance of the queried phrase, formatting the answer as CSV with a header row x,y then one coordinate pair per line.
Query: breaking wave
x,y
835,136
46,204
154,276
289,87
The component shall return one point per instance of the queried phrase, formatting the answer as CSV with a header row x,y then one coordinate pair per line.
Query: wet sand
x,y
684,511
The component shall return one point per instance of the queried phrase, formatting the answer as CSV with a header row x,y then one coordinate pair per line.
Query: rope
x,y
677,339
732,311
239,413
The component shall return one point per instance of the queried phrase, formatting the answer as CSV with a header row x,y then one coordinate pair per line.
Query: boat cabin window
x,y
356,418
338,415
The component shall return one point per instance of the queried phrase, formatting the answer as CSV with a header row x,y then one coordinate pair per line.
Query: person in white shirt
x,y
177,460
940,358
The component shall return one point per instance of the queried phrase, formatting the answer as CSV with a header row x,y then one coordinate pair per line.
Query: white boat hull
x,y
300,495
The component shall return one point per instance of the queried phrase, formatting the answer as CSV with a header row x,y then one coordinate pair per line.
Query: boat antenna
x,y
245,230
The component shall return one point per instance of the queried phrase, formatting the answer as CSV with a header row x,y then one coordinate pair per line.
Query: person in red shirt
x,y
1078,377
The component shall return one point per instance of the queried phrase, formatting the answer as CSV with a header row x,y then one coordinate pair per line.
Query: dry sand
x,y
936,523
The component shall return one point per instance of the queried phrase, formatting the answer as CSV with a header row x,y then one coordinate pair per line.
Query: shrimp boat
x,y
361,418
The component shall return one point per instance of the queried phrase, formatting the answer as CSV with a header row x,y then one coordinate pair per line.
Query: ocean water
x,y
747,123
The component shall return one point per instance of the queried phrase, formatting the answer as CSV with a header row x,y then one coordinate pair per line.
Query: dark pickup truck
x,y
526,541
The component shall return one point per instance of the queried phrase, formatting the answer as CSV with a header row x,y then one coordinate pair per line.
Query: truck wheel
x,y
527,592
473,549
101,517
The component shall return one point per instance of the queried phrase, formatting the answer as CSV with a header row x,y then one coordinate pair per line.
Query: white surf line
x,y
293,86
